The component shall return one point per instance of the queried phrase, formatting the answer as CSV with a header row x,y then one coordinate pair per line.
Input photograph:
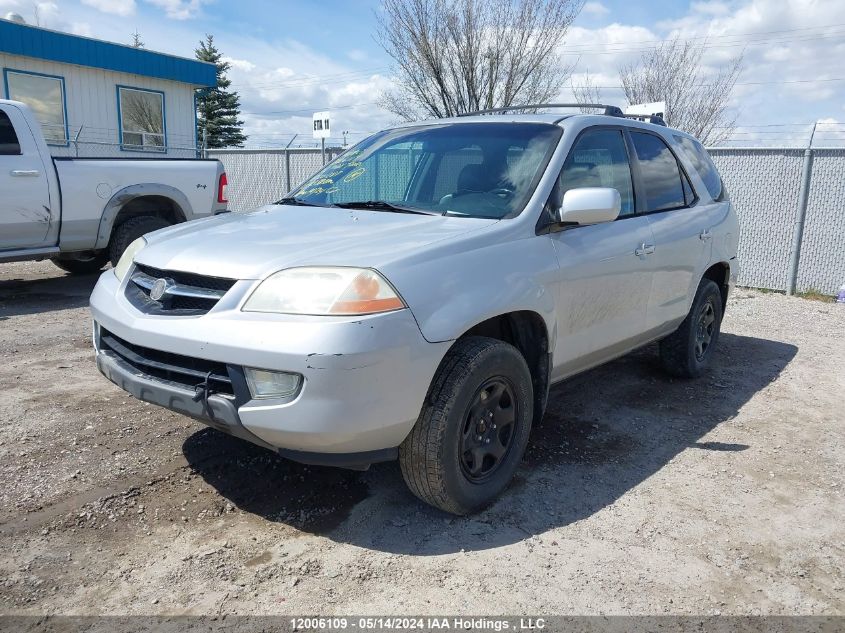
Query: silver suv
x,y
417,297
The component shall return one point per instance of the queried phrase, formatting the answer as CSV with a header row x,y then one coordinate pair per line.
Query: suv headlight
x,y
334,291
125,261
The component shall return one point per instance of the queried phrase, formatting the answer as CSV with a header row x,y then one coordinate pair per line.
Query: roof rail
x,y
656,119
609,110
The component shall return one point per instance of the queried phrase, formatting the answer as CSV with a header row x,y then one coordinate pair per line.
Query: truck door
x,y
25,215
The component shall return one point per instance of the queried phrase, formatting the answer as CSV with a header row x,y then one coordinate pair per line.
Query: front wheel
x,y
81,264
686,353
473,428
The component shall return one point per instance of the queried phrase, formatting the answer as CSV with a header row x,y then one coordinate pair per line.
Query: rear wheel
x,y
473,429
81,264
686,353
130,230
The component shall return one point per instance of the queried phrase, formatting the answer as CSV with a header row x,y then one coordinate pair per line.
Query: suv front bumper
x,y
364,378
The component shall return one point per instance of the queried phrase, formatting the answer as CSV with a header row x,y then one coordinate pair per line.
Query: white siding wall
x,y
91,95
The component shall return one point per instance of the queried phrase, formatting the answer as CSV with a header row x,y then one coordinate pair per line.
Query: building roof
x,y
33,41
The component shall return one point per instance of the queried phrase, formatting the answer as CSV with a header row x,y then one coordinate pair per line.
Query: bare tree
x,y
586,92
696,97
142,112
456,56
137,42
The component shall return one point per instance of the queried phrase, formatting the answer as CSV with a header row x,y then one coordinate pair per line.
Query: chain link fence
x,y
764,185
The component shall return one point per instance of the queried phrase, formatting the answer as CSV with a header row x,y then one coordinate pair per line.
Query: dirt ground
x,y
639,494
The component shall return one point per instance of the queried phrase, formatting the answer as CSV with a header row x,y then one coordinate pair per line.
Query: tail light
x,y
221,188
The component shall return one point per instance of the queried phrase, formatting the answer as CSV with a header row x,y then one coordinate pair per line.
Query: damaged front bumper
x,y
364,379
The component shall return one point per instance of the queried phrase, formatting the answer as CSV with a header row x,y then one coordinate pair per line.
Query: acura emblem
x,y
159,289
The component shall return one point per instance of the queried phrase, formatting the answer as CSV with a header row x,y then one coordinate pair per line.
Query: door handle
x,y
705,235
23,173
644,249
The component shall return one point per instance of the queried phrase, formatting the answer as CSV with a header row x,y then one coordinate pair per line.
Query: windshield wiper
x,y
298,202
380,205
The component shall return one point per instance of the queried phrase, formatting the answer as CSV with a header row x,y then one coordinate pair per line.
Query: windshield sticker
x,y
354,174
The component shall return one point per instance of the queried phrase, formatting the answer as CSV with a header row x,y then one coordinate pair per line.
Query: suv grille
x,y
180,294
183,370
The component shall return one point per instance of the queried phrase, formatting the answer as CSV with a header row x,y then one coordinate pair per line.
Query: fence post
x,y
798,233
287,170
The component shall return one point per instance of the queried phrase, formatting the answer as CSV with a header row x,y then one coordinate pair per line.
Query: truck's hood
x,y
255,244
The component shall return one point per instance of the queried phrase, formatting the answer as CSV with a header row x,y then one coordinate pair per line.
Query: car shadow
x,y
47,294
604,432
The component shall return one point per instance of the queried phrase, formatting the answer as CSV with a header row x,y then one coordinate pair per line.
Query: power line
x,y
310,110
575,47
313,80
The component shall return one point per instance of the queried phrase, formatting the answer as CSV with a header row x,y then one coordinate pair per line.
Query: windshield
x,y
468,169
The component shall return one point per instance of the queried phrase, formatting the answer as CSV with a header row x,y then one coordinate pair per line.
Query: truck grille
x,y
183,370
179,293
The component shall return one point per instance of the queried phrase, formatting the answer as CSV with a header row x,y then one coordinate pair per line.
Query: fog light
x,y
271,384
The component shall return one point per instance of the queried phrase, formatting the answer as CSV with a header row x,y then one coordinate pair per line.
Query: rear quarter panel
x,y
88,185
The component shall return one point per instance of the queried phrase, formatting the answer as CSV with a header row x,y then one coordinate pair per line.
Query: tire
x,y
82,265
444,465
687,352
130,230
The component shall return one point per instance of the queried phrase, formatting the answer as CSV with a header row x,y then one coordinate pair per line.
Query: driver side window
x,y
599,158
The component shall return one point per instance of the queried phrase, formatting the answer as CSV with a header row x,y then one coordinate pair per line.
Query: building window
x,y
45,95
141,119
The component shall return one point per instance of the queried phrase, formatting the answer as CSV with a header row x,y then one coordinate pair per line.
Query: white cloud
x,y
277,100
115,7
240,64
357,55
81,28
787,46
595,9
179,9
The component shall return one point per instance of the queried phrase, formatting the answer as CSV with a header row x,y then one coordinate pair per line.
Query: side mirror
x,y
590,205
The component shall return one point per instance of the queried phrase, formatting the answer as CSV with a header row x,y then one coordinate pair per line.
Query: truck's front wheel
x,y
473,428
81,264
130,230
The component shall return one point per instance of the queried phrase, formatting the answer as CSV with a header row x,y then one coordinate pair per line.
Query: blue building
x,y
97,98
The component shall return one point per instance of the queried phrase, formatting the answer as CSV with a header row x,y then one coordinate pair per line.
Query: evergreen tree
x,y
218,109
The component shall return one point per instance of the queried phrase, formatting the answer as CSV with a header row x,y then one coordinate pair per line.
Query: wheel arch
x,y
527,331
720,273
143,199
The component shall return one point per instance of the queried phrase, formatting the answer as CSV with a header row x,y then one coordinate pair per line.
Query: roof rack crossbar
x,y
609,110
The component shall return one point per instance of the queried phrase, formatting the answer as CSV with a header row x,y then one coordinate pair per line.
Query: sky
x,y
291,58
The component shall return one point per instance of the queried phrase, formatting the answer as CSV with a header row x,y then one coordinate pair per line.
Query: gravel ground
x,y
639,494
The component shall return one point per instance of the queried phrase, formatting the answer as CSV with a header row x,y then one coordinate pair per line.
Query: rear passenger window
x,y
703,165
599,159
662,178
8,139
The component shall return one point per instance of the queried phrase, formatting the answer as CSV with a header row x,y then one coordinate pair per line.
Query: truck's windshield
x,y
472,169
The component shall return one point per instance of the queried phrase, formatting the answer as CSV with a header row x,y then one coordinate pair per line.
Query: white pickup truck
x,y
84,212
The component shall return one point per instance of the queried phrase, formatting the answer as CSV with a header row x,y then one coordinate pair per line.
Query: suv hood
x,y
256,244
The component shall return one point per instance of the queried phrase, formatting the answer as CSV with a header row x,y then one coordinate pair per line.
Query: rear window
x,y
664,186
703,165
8,139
